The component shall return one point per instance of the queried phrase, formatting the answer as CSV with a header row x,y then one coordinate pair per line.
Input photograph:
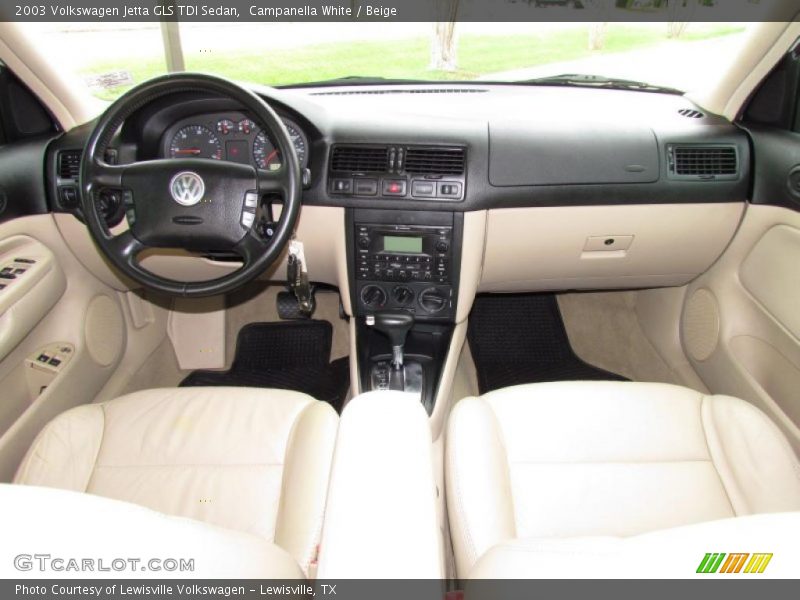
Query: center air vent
x,y
435,161
69,164
703,162
360,159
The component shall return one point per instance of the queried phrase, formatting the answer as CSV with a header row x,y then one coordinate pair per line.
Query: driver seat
x,y
253,460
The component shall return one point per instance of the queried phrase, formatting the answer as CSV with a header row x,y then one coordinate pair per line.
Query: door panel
x,y
750,302
34,391
31,282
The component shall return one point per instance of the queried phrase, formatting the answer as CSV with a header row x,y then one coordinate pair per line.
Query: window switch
x,y
54,361
43,358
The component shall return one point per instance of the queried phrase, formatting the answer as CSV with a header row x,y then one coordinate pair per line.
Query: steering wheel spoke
x,y
126,246
273,183
251,248
106,175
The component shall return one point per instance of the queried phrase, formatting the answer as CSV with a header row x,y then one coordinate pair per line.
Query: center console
x,y
404,275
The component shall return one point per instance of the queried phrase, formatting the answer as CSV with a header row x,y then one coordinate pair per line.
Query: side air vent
x,y
703,162
435,161
360,159
69,164
691,113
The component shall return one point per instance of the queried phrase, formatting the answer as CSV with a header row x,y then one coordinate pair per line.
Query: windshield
x,y
111,57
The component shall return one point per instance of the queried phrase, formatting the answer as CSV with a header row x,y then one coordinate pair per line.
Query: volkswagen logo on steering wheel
x,y
187,188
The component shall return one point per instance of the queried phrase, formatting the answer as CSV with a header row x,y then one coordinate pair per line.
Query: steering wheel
x,y
199,205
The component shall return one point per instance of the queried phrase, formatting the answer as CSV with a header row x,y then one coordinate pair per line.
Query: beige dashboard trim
x,y
545,248
320,228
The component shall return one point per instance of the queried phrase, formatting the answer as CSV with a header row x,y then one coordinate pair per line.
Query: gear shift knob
x,y
395,325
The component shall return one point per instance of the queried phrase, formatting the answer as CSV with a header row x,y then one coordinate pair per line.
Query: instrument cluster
x,y
233,137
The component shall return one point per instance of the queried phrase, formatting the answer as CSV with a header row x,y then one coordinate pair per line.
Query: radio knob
x,y
373,296
442,246
402,295
363,242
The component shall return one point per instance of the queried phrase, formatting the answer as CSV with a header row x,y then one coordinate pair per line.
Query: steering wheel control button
x,y
187,188
248,218
394,187
251,200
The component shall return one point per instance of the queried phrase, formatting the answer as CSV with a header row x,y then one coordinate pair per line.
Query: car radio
x,y
403,253
402,260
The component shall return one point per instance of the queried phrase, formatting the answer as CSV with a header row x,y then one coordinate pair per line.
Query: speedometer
x,y
195,141
267,155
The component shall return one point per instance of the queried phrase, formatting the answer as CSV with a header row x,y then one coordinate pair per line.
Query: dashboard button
x,y
341,186
394,187
423,189
366,187
446,189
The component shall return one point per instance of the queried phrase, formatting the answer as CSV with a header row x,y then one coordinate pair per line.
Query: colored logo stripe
x,y
712,562
758,563
734,563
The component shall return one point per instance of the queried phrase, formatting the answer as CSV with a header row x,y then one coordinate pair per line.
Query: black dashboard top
x,y
522,145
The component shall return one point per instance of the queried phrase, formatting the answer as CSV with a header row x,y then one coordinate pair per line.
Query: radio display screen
x,y
396,243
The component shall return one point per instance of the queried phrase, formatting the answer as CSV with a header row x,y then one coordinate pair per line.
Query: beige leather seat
x,y
251,460
580,459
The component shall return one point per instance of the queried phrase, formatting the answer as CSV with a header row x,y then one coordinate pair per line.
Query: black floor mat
x,y
520,338
288,356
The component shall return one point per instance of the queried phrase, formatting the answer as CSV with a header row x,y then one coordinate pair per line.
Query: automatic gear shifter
x,y
396,375
395,326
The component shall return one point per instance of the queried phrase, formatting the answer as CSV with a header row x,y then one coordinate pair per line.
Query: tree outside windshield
x,y
111,57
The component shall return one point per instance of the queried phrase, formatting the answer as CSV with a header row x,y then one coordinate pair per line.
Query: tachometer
x,y
266,154
195,141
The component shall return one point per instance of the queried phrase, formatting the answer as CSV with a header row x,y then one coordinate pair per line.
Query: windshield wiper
x,y
597,81
357,80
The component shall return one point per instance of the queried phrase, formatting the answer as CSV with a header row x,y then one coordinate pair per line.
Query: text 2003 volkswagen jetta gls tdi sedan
x,y
400,329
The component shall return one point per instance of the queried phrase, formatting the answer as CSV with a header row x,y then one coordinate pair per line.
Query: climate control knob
x,y
373,296
402,295
433,300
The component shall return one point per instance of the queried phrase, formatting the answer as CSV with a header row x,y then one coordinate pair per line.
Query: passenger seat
x,y
568,460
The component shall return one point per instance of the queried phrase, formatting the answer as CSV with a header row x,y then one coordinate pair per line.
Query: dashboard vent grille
x,y
691,113
435,161
69,164
357,159
406,91
705,161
